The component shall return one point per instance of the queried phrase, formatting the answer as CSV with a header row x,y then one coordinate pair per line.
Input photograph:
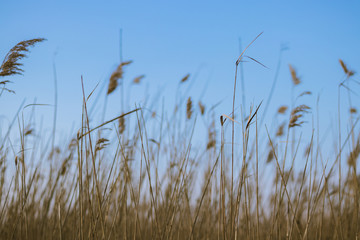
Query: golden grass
x,y
10,65
148,178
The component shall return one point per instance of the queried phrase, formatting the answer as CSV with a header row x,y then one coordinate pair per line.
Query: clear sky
x,y
168,39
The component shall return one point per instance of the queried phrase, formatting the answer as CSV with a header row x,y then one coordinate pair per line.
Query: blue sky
x,y
168,39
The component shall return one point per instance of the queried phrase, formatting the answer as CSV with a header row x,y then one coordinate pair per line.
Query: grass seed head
x,y
294,77
29,131
270,156
115,76
282,109
307,150
305,93
296,114
101,143
211,136
121,125
348,72
185,78
10,65
280,130
189,108
202,108
138,79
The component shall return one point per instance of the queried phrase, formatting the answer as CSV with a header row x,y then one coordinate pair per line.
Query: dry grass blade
x,y
3,88
256,61
184,79
8,90
241,55
347,88
95,174
10,65
107,122
227,117
87,99
222,120
294,77
233,140
37,104
202,197
250,119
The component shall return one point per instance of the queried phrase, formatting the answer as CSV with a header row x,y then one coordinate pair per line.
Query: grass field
x,y
139,175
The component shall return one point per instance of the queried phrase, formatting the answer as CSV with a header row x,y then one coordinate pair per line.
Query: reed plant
x,y
147,178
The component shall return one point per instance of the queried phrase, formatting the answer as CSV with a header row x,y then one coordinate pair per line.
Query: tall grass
x,y
146,179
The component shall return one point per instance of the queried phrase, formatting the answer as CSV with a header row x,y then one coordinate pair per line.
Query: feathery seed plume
x,y
115,76
296,114
189,108
10,64
294,76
